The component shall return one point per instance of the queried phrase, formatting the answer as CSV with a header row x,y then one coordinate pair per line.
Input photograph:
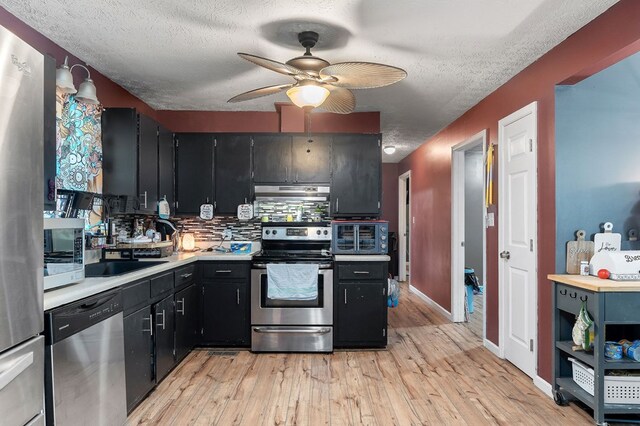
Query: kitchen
x,y
290,118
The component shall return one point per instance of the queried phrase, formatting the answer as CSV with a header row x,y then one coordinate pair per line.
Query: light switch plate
x,y
490,220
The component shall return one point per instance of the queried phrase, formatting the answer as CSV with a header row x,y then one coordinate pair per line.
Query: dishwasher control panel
x,y
70,319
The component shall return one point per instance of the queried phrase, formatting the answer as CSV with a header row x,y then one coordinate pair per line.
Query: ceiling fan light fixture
x,y
389,149
308,94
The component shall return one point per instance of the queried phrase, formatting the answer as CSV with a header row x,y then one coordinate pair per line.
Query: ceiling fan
x,y
320,84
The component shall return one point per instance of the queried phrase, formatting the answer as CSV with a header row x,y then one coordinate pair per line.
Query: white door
x,y
517,200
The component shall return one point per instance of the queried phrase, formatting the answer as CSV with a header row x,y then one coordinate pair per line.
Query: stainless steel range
x,y
292,289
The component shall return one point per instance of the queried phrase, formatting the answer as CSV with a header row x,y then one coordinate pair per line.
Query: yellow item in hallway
x,y
488,193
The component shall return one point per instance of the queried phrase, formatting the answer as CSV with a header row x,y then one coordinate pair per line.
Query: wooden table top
x,y
594,283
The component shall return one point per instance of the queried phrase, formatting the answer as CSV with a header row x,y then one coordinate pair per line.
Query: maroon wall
x,y
614,34
390,195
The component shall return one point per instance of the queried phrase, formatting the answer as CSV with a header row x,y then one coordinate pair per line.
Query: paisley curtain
x,y
78,147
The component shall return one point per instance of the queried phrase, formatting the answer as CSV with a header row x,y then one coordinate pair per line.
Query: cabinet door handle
x,y
145,198
150,330
245,200
345,296
286,174
237,296
223,271
337,201
163,321
186,275
563,292
573,295
584,298
361,272
181,310
296,176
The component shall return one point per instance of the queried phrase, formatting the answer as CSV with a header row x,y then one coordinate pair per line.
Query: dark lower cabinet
x,y
225,304
360,307
187,312
164,337
138,346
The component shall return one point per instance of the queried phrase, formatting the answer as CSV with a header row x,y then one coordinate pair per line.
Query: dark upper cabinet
x,y
49,132
147,163
282,158
272,159
165,166
311,161
356,164
164,337
130,156
232,172
138,357
187,313
194,171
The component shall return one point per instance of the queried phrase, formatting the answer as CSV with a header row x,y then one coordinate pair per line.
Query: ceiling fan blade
x,y
273,65
362,75
258,93
340,100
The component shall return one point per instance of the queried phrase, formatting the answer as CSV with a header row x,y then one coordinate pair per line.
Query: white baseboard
x,y
430,302
493,348
543,385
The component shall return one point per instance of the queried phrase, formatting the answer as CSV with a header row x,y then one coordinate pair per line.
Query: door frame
x,y
532,108
402,225
458,227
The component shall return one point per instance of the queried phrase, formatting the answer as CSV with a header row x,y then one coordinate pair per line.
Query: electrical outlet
x,y
226,234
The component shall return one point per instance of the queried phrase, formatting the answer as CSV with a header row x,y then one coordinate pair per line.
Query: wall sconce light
x,y
308,93
64,80
389,149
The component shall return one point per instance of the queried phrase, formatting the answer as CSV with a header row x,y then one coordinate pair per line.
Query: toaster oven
x,y
360,237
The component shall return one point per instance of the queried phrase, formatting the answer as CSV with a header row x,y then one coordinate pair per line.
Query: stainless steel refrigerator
x,y
21,234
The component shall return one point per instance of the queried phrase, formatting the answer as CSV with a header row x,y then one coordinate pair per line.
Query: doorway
x,y
517,238
468,233
405,221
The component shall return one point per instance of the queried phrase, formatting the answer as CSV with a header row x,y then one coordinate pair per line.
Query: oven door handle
x,y
264,266
322,330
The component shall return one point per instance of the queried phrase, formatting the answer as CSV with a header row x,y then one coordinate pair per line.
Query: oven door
x,y
265,311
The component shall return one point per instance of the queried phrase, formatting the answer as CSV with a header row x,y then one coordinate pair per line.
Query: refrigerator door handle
x,y
15,369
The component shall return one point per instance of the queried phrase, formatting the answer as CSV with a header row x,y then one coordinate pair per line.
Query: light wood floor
x,y
475,323
433,373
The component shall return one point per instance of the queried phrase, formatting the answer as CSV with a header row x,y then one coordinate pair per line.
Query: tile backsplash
x,y
212,230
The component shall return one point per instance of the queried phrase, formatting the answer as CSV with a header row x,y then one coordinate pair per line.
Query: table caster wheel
x,y
560,399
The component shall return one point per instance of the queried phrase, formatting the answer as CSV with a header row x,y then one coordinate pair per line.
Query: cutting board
x,y
578,251
607,240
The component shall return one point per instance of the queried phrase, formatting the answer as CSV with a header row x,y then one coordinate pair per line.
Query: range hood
x,y
292,192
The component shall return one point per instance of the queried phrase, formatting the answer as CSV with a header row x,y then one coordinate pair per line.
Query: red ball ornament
x,y
603,273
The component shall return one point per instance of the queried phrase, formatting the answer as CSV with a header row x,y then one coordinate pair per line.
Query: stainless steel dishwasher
x,y
85,376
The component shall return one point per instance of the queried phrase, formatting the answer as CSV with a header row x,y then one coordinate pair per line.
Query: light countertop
x,y
591,283
90,286
361,258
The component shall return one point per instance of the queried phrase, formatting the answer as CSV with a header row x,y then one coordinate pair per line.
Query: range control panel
x,y
302,233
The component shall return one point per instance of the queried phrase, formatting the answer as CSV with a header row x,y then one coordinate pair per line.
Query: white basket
x,y
617,389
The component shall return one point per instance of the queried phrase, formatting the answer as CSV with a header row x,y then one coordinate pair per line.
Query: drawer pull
x,y
223,271
361,272
573,295
584,298
186,275
563,292
15,369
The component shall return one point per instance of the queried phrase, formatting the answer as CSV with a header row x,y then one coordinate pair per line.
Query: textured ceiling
x,y
181,55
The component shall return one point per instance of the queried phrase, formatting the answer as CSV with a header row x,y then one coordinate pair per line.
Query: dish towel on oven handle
x,y
289,281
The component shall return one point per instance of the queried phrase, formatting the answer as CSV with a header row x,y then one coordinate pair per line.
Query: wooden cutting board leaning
x,y
578,251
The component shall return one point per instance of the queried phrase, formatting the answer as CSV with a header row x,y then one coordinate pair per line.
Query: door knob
x,y
505,255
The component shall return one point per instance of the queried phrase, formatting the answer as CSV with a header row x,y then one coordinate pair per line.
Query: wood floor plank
x,y
432,373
